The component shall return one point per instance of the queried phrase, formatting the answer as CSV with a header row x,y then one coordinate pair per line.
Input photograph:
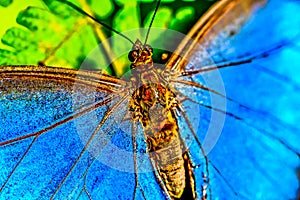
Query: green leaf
x,y
57,35
102,8
183,17
5,3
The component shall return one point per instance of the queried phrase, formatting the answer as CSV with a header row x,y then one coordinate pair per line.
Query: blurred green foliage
x,y
51,33
5,3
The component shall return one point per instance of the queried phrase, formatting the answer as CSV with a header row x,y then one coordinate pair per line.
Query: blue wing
x,y
68,135
256,155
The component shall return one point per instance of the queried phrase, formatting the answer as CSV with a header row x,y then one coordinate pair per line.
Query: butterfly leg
x,y
205,186
134,145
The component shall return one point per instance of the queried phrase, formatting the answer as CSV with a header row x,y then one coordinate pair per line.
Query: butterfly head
x,y
140,55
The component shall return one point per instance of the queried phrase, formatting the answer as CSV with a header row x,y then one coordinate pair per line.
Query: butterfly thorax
x,y
153,104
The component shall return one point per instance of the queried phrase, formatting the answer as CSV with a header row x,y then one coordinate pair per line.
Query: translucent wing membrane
x,y
213,32
257,154
51,119
68,135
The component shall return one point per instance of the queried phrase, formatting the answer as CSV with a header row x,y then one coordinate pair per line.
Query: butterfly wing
x,y
254,49
238,165
68,134
48,116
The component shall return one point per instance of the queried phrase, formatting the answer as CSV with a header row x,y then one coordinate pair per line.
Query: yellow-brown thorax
x,y
153,104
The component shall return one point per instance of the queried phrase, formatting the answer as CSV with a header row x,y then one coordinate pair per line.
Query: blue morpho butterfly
x,y
67,134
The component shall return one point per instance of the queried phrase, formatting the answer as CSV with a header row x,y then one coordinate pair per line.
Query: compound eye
x,y
149,48
132,55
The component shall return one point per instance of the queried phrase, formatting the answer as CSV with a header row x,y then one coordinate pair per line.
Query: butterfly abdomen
x,y
169,163
155,110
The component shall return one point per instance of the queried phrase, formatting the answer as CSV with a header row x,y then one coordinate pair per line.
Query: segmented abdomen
x,y
154,109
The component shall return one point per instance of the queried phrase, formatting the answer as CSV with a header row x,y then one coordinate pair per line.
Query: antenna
x,y
155,11
93,18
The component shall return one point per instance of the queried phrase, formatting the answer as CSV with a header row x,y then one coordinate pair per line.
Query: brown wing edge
x,y
93,79
221,13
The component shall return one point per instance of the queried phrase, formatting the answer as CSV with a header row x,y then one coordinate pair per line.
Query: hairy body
x,y
154,104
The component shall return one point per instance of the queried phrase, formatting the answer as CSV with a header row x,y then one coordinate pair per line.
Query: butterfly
x,y
72,132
